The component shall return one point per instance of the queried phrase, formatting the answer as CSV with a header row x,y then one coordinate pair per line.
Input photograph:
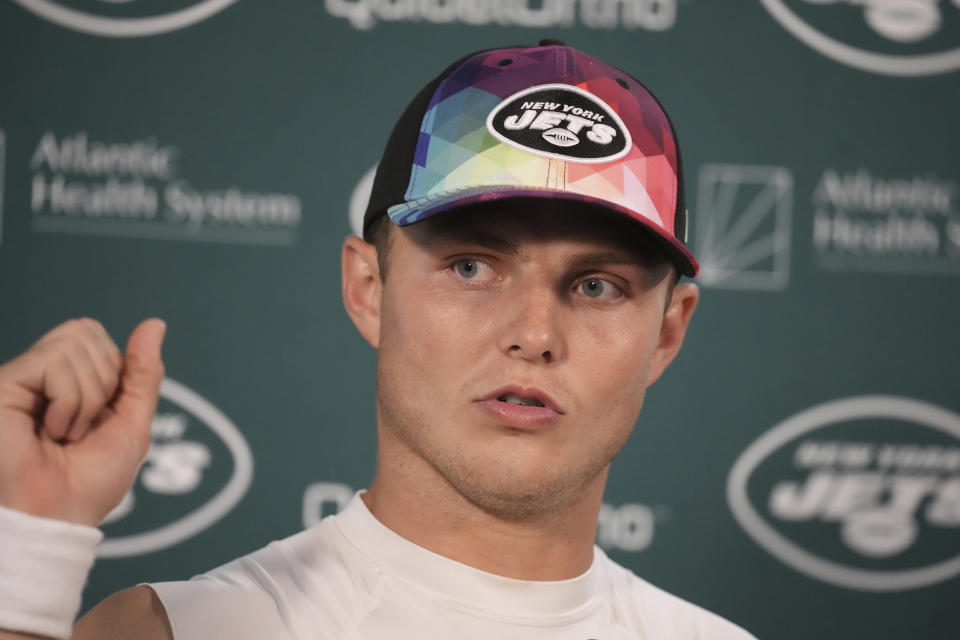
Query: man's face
x,y
516,342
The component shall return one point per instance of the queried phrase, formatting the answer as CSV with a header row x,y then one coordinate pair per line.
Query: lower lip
x,y
518,416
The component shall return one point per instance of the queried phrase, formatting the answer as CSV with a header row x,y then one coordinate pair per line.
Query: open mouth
x,y
513,398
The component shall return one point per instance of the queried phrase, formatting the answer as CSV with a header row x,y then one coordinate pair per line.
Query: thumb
x,y
142,371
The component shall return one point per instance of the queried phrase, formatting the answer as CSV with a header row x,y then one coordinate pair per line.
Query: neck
x,y
411,499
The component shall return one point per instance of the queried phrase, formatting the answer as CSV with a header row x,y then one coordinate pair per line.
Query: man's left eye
x,y
599,289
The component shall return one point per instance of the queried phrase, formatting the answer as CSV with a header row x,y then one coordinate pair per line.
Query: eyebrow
x,y
491,241
600,258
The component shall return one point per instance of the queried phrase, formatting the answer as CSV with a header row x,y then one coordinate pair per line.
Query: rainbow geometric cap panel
x,y
548,122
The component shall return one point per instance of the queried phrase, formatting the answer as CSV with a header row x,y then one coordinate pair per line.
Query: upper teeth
x,y
515,399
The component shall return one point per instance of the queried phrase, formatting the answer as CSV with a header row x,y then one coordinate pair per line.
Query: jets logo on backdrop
x,y
197,469
862,493
124,18
894,37
560,121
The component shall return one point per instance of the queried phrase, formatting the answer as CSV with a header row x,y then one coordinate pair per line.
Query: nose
x,y
532,328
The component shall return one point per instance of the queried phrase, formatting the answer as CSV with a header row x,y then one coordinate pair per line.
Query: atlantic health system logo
x,y
890,37
124,18
861,492
134,188
743,226
863,221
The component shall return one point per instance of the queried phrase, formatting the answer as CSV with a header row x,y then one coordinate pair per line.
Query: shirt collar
x,y
454,581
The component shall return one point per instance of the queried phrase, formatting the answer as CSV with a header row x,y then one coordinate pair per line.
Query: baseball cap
x,y
536,122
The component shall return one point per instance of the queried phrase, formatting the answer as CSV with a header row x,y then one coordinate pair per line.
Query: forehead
x,y
520,221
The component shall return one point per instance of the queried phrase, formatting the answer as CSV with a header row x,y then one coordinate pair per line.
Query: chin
x,y
514,505
529,494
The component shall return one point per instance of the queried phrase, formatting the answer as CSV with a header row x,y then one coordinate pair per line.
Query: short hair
x,y
378,234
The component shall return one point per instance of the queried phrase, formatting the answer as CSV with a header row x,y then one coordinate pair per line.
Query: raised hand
x,y
75,418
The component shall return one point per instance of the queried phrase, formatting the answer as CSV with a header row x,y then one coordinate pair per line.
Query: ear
x,y
362,287
676,319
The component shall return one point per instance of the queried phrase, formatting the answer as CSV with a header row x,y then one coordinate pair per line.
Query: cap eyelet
x,y
505,62
623,83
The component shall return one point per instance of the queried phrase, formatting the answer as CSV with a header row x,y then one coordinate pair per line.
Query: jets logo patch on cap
x,y
560,121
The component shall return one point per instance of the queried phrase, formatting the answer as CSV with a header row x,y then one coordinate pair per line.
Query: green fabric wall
x,y
798,468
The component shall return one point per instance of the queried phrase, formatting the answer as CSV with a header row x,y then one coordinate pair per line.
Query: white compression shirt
x,y
351,578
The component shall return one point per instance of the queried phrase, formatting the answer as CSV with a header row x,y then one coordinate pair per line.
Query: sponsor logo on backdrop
x,y
627,527
866,222
198,468
743,226
359,199
862,493
3,156
322,499
650,15
124,18
560,121
893,37
87,186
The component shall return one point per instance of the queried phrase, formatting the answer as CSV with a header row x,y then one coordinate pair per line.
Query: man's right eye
x,y
471,268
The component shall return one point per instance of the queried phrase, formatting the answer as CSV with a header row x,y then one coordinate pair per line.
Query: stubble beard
x,y
499,493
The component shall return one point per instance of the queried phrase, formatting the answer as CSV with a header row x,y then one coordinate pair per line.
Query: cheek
x,y
428,321
430,336
616,359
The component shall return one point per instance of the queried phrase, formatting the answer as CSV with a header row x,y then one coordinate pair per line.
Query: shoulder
x,y
134,613
307,581
656,613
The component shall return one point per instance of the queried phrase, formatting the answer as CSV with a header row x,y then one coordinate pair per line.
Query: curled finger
x,y
93,394
62,391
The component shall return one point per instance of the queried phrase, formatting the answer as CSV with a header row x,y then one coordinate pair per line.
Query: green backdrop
x,y
798,468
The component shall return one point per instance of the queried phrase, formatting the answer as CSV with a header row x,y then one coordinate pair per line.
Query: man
x,y
520,285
